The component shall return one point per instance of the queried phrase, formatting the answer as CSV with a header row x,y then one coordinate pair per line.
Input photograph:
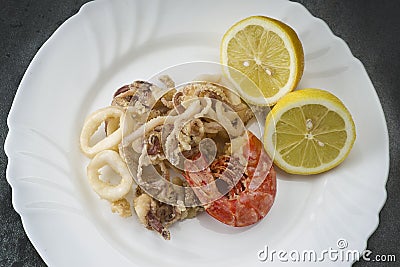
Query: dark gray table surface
x,y
370,27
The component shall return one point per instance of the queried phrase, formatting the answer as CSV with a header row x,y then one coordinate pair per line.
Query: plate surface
x,y
111,43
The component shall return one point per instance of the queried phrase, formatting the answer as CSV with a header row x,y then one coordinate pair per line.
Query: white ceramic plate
x,y
111,43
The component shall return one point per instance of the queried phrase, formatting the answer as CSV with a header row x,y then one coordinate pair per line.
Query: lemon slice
x,y
309,131
266,51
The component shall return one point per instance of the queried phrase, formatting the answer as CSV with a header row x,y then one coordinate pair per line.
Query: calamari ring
x,y
91,125
104,189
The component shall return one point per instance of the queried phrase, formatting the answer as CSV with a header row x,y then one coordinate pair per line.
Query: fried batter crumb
x,y
122,207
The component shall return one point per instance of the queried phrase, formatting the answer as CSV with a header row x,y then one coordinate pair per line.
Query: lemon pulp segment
x,y
309,131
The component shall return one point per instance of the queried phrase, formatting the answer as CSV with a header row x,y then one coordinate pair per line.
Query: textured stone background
x,y
370,27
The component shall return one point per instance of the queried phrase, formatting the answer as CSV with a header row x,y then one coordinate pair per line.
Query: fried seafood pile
x,y
162,142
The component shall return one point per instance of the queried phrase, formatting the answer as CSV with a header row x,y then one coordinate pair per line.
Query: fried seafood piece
x,y
153,142
204,89
153,145
140,90
163,105
147,92
167,81
123,96
214,91
191,135
158,216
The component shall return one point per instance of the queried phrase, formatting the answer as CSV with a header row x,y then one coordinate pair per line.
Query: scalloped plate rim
x,y
12,124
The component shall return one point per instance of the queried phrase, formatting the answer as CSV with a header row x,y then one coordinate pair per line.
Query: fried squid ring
x,y
91,125
103,189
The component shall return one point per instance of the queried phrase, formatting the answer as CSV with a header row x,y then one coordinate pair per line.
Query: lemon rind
x,y
300,98
292,44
